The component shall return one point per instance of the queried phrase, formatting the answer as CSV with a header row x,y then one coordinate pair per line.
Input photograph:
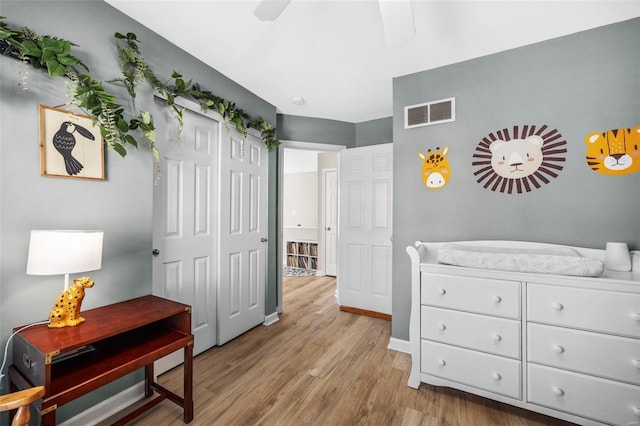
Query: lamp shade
x,y
64,252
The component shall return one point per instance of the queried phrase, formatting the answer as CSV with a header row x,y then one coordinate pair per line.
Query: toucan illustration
x,y
64,142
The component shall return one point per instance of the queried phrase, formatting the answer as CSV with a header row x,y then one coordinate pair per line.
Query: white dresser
x,y
564,346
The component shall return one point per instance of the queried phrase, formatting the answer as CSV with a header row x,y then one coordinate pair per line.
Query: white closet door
x,y
243,233
364,267
330,194
184,223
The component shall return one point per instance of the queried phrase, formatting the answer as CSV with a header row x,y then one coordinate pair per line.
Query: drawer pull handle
x,y
497,337
559,349
636,411
558,391
557,306
497,299
442,326
636,363
442,291
497,376
636,317
442,362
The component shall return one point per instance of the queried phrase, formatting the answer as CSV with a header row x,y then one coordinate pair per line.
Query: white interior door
x,y
330,194
243,233
184,223
364,266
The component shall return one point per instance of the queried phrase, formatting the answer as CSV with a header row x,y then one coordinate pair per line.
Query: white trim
x,y
108,407
311,146
271,319
399,345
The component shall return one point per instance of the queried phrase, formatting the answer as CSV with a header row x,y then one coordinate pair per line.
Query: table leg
x,y
48,419
188,383
148,379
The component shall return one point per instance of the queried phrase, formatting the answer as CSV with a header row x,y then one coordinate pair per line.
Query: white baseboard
x,y
399,345
271,319
108,407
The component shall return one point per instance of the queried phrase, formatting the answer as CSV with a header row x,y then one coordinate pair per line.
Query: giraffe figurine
x,y
66,311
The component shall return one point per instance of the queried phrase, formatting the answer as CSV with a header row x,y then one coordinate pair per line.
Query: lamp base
x,y
66,311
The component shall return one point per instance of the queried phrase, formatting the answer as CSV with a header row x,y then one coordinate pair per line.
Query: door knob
x,y
263,240
155,252
328,228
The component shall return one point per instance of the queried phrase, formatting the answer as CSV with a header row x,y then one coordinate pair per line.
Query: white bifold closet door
x,y
210,194
243,235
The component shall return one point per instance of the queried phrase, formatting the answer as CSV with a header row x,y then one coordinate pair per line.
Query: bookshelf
x,y
302,254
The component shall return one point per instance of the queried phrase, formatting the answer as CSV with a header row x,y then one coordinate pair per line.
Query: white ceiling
x,y
333,53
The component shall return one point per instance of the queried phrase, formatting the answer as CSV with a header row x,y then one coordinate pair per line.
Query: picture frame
x,y
71,146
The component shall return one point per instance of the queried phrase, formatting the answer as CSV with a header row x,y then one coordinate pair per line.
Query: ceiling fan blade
x,y
269,10
397,19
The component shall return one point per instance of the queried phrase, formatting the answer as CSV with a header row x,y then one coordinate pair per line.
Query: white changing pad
x,y
556,260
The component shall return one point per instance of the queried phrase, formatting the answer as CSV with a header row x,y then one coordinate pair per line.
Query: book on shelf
x,y
292,247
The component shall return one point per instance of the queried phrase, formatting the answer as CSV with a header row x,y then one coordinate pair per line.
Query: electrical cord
x,y
6,347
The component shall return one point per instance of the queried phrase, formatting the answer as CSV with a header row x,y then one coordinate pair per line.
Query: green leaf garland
x,y
120,127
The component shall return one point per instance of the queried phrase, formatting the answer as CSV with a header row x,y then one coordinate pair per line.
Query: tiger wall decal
x,y
614,152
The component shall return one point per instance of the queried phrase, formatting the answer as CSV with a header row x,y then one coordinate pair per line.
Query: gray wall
x,y
374,132
121,205
334,132
577,84
317,130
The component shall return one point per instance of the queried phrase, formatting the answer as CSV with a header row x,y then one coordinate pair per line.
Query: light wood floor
x,y
321,366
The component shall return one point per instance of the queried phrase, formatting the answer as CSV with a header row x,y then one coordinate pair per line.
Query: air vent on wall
x,y
426,114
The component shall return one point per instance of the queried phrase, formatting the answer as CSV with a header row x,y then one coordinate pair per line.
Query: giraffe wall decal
x,y
436,170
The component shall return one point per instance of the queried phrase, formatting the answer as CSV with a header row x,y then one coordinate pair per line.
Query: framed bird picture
x,y
70,145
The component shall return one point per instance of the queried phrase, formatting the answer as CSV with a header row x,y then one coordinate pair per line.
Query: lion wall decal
x,y
519,160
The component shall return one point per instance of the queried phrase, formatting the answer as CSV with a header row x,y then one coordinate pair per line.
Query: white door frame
x,y
289,144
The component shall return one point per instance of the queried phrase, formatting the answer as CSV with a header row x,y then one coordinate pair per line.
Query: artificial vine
x,y
118,127
54,55
135,70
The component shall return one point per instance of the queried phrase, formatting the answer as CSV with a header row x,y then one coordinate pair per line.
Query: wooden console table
x,y
114,341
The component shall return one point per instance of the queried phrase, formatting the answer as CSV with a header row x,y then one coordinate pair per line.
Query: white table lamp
x,y
64,253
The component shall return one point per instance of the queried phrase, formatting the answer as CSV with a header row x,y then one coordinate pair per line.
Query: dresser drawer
x,y
489,372
597,310
484,333
602,355
586,396
491,297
